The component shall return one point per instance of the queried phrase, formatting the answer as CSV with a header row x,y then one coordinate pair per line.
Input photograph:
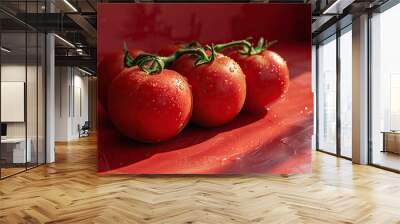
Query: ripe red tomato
x,y
218,87
267,78
149,108
109,67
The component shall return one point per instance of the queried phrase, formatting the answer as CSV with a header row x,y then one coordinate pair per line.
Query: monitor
x,y
3,129
12,101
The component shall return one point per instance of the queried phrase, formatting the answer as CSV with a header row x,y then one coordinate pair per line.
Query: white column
x,y
50,92
360,90
50,99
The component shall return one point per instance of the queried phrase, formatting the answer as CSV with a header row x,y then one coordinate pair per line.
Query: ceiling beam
x,y
79,61
85,25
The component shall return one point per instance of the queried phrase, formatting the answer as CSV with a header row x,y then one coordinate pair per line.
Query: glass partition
x,y
385,89
31,100
15,150
327,95
346,92
22,90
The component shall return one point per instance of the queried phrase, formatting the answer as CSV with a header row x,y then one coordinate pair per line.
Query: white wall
x,y
71,94
62,82
16,73
80,89
9,73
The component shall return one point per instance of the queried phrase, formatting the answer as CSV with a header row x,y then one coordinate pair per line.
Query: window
x,y
327,95
346,95
385,89
334,106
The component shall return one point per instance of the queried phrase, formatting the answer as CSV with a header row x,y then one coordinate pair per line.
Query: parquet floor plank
x,y
70,191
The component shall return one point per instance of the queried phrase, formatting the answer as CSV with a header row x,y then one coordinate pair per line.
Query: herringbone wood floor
x,y
70,191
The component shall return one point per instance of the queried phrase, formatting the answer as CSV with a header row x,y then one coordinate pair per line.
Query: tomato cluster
x,y
151,98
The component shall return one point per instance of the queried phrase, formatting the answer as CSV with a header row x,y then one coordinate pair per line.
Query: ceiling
x,y
75,21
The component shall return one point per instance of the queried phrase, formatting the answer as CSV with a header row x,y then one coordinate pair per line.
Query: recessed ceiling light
x,y
5,50
337,7
64,40
70,5
84,71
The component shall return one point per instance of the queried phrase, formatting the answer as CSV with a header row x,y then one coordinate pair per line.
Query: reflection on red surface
x,y
277,142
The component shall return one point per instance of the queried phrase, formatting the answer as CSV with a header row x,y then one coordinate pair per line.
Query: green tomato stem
x,y
247,47
152,64
199,52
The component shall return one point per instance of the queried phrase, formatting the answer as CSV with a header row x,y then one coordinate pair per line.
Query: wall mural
x,y
204,88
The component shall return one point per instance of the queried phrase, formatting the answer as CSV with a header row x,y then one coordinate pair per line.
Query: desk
x,y
391,141
13,150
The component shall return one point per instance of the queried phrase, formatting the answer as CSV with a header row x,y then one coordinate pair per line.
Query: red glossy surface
x,y
278,142
169,49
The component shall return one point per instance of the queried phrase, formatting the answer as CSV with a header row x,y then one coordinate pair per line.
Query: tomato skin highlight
x,y
267,79
218,88
109,67
149,108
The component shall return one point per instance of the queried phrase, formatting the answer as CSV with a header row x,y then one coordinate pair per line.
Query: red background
x,y
279,142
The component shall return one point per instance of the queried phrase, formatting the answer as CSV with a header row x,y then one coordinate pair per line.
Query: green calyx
x,y
148,63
